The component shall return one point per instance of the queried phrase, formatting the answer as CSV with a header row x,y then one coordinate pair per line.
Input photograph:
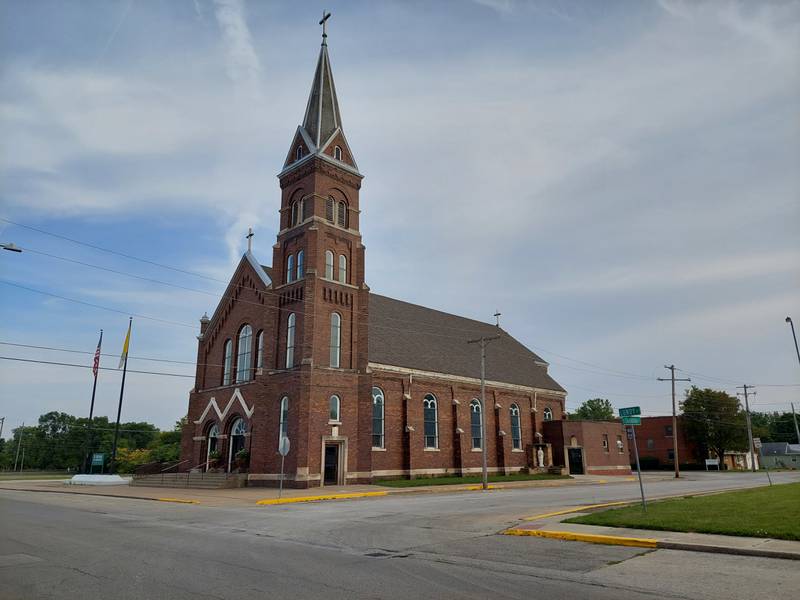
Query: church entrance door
x,y
575,456
331,464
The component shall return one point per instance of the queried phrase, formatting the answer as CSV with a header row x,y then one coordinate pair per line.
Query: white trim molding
x,y
237,395
467,380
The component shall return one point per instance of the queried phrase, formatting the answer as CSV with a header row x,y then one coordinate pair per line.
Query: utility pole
x,y
794,416
674,417
19,444
485,469
3,422
746,387
794,335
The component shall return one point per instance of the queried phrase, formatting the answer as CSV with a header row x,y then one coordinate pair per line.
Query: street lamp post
x,y
796,349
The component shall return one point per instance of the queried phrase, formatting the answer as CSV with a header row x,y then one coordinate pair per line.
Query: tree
x,y
714,420
596,409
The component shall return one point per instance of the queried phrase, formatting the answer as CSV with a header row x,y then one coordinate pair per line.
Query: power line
x,y
83,302
61,364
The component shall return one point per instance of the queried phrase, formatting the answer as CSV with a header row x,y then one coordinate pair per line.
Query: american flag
x,y
96,364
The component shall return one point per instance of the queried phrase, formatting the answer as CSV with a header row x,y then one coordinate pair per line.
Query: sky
x,y
619,179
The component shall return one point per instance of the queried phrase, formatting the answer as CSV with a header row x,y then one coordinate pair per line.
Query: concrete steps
x,y
207,481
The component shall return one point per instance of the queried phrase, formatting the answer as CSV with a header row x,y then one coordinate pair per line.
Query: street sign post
x,y
283,449
757,446
631,416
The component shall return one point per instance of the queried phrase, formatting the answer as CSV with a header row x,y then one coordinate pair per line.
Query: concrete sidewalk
x,y
250,496
553,527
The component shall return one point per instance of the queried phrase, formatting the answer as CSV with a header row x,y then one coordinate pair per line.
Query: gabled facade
x,y
362,385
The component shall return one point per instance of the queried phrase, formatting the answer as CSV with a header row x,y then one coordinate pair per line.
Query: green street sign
x,y
631,420
630,412
98,458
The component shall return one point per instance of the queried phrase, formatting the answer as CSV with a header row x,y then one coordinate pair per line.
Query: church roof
x,y
415,337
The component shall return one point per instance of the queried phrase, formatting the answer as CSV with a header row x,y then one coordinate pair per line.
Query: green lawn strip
x,y
424,481
772,512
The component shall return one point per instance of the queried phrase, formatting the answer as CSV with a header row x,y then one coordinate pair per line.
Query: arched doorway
x,y
212,444
237,436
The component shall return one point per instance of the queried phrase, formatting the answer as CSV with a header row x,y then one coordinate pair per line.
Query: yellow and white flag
x,y
124,356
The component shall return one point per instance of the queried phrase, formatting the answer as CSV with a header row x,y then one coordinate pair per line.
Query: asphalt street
x,y
419,546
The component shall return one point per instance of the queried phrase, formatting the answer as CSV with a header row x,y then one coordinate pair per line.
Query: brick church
x,y
363,386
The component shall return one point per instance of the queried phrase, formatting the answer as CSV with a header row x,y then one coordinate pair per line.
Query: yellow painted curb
x,y
320,498
611,540
577,509
180,500
474,488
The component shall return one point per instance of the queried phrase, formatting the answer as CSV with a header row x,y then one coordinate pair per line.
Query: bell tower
x,y
318,258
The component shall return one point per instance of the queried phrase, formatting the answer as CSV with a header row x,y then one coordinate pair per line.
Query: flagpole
x,y
113,464
96,369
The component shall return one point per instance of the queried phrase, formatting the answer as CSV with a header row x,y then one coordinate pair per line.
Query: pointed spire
x,y
321,133
322,116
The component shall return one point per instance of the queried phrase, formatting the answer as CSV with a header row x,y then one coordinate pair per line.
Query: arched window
x,y
336,339
290,323
227,362
516,429
293,219
475,424
300,267
333,408
341,214
244,358
290,268
212,443
260,350
328,264
377,417
342,268
298,153
283,430
573,441
329,209
337,153
548,414
430,418
238,431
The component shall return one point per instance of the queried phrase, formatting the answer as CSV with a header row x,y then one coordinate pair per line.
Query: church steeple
x,y
321,133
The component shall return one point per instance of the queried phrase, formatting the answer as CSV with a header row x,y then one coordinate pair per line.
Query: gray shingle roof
x,y
412,336
322,116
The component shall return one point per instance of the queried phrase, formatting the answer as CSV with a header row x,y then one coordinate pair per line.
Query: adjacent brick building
x,y
656,445
364,386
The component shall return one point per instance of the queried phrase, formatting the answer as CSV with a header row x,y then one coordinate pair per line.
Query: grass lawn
x,y
761,512
421,481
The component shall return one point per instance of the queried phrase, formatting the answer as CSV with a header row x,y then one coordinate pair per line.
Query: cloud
x,y
244,67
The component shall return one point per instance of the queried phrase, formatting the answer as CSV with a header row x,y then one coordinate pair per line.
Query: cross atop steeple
x,y
249,237
324,23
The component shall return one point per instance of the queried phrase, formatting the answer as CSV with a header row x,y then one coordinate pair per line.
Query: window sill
x,y
517,450
477,450
334,422
376,449
432,450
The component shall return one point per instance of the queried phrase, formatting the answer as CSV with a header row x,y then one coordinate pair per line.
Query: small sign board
x,y
712,462
98,459
630,433
631,411
757,443
631,420
283,447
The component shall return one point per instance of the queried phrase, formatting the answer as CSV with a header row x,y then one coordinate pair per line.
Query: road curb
x,y
608,540
667,545
178,500
272,501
